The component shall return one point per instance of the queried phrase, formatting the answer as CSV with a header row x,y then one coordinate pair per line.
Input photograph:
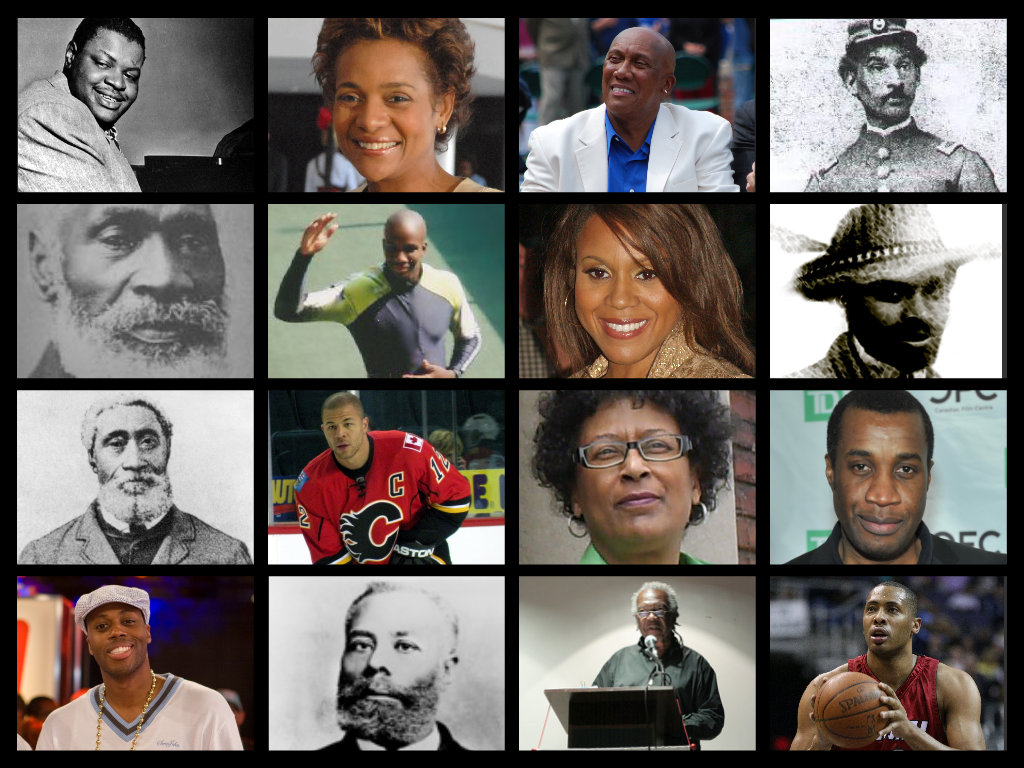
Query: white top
x,y
183,715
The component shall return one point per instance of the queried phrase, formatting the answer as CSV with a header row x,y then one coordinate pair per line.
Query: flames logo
x,y
370,532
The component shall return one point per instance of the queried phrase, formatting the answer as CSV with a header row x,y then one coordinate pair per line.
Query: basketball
x,y
847,708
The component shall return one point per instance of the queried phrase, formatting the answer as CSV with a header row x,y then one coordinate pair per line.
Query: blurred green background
x,y
466,239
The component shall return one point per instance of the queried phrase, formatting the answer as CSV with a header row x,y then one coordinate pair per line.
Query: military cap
x,y
111,593
882,242
878,30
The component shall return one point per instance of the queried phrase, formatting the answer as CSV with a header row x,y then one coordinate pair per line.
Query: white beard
x,y
134,505
91,347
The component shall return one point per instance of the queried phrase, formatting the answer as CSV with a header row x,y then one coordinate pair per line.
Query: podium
x,y
610,718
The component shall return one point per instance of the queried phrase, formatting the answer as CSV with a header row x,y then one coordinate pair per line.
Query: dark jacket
x,y
934,551
82,542
351,744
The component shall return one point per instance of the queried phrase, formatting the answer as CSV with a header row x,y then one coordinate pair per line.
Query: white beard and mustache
x,y
136,497
97,345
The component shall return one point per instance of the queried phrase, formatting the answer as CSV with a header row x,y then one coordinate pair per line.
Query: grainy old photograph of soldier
x,y
888,105
132,517
887,291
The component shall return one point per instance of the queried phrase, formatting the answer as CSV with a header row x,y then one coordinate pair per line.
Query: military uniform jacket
x,y
905,160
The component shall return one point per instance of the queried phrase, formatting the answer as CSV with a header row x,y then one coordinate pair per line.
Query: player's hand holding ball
x,y
315,238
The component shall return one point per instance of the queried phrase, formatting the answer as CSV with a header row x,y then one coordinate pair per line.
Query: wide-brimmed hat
x,y
881,242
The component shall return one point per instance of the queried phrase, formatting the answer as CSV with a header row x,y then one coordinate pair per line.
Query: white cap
x,y
111,593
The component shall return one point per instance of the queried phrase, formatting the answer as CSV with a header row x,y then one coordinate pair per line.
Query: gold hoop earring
x,y
443,129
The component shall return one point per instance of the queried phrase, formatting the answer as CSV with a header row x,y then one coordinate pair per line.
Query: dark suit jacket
x,y
743,135
82,542
351,744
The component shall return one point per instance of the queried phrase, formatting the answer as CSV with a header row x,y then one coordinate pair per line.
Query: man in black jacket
x,y
879,466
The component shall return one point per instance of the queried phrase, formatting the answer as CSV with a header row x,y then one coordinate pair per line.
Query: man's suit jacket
x,y
82,542
61,147
689,153
351,744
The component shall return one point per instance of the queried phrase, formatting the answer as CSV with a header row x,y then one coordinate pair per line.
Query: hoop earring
x,y
565,304
582,522
443,129
698,518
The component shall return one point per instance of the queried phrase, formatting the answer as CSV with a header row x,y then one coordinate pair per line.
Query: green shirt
x,y
592,557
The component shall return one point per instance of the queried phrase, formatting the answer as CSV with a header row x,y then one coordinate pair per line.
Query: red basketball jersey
x,y
918,695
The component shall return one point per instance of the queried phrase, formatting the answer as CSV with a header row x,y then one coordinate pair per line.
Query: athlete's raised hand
x,y
315,238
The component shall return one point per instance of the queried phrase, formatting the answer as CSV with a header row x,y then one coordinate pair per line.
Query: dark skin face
x,y
104,74
660,627
900,322
405,245
118,638
879,486
637,75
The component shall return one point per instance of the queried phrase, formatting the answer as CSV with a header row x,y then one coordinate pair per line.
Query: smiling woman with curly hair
x,y
397,89
633,468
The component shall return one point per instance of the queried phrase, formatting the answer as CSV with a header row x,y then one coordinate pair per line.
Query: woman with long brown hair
x,y
645,291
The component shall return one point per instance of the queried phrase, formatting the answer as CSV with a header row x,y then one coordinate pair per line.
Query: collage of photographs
x,y
140,558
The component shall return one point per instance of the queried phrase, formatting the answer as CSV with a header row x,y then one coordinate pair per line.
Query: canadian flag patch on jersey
x,y
413,442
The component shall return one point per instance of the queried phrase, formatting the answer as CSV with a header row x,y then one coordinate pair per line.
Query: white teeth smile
x,y
376,145
121,651
626,328
622,90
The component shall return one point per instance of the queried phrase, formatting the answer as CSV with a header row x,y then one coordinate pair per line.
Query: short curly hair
x,y
446,43
699,413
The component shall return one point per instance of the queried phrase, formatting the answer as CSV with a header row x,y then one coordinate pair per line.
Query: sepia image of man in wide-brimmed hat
x,y
889,269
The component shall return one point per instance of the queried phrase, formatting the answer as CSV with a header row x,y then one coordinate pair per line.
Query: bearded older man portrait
x,y
133,289
133,520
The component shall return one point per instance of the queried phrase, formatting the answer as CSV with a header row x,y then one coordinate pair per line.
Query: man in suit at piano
x,y
67,141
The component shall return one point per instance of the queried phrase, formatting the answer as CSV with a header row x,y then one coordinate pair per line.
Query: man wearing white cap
x,y
134,707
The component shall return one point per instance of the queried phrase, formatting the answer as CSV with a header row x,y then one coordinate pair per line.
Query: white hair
x,y
670,594
380,587
92,416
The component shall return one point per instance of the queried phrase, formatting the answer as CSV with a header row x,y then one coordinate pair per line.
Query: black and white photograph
x,y
153,478
141,290
411,663
135,105
886,291
888,105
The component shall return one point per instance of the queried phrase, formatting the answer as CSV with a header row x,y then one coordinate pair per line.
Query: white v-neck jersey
x,y
183,715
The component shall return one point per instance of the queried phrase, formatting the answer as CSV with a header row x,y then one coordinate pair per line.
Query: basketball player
x,y
931,705
134,708
377,497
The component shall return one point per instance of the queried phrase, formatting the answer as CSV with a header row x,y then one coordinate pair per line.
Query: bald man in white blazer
x,y
689,153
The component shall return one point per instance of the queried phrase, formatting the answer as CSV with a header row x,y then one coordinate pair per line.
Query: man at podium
x,y
656,609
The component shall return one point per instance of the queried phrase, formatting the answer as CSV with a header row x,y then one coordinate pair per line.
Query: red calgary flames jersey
x,y
918,695
346,516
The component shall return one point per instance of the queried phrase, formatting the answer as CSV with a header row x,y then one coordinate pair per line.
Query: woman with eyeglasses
x,y
633,469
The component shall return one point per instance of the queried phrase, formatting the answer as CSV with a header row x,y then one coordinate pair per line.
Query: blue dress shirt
x,y
627,170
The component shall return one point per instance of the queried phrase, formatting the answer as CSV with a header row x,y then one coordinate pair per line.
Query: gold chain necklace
x,y
142,717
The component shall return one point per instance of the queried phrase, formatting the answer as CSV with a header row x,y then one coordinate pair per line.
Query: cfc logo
x,y
370,533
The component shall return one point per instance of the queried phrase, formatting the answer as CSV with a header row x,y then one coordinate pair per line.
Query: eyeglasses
x,y
610,453
656,614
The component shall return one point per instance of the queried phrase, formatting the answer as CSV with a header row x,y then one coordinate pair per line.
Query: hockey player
x,y
377,497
